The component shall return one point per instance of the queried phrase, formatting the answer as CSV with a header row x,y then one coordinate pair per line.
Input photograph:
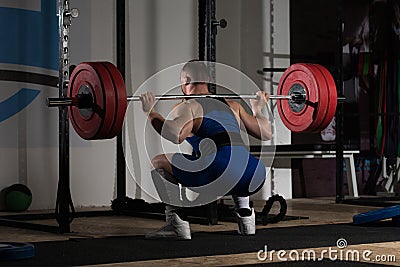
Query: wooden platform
x,y
319,211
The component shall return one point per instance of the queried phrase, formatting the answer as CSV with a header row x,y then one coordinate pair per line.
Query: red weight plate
x,y
121,99
322,108
302,75
110,106
332,97
86,125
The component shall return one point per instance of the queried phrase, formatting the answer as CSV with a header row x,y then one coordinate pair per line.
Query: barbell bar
x,y
86,101
97,99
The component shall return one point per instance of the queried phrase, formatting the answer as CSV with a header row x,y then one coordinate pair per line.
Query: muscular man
x,y
220,121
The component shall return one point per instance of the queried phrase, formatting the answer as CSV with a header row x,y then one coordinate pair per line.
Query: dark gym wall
x,y
313,25
313,31
313,40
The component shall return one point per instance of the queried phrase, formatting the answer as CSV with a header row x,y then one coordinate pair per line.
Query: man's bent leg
x,y
175,228
167,187
245,215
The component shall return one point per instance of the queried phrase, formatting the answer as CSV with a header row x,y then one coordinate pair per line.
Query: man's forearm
x,y
156,120
265,127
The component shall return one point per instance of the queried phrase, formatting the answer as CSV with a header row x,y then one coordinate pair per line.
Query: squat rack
x,y
207,30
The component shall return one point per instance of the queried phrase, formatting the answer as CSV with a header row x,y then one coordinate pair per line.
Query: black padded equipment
x,y
267,208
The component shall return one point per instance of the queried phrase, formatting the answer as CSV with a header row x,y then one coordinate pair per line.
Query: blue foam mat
x,y
16,251
377,215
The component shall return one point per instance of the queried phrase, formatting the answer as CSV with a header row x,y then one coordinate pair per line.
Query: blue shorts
x,y
232,170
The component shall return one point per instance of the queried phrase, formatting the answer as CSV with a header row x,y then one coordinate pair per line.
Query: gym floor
x,y
312,212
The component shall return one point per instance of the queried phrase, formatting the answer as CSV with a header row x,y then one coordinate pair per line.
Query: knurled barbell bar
x,y
85,100
97,99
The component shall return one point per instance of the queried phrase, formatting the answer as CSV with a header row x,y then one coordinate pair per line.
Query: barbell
x,y
97,99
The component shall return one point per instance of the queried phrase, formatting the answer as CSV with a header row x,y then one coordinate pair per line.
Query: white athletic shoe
x,y
175,229
247,225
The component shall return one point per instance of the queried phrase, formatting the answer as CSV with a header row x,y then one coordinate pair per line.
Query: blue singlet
x,y
230,167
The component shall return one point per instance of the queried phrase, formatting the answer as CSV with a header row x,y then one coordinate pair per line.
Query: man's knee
x,y
160,172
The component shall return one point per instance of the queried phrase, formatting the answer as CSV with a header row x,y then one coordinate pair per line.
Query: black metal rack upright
x,y
201,6
207,31
340,110
64,207
211,41
207,35
64,212
121,166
